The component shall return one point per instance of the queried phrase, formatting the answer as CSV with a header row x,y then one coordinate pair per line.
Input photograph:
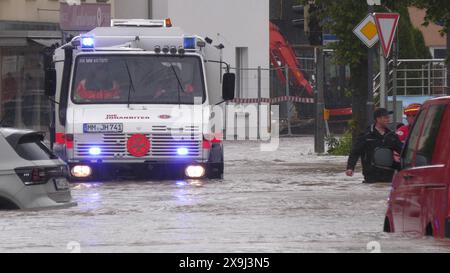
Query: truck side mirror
x,y
50,82
384,158
228,85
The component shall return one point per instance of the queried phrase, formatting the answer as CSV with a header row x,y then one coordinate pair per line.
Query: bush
x,y
339,146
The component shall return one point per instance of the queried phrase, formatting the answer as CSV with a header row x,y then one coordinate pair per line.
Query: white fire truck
x,y
136,97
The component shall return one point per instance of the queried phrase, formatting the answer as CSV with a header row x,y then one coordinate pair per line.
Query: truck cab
x,y
137,97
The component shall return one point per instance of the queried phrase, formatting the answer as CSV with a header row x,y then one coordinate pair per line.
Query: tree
x,y
411,41
339,18
438,11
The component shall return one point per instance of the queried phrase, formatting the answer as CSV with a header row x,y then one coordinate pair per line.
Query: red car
x,y
419,201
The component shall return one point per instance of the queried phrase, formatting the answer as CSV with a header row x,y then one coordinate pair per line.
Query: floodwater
x,y
285,201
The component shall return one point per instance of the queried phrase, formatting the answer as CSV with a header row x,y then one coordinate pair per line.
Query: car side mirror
x,y
228,86
384,158
50,82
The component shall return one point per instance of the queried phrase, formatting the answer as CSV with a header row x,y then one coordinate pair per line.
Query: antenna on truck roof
x,y
141,23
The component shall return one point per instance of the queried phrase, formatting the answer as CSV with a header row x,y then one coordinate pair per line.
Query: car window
x,y
34,149
408,151
427,141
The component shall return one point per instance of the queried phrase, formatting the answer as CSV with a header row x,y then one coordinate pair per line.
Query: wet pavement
x,y
285,201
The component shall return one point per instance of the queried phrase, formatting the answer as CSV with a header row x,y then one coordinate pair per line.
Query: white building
x,y
242,26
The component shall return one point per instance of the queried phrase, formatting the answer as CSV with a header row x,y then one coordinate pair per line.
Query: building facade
x,y
241,26
27,29
436,42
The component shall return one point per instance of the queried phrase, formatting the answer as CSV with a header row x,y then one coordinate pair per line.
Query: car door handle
x,y
408,176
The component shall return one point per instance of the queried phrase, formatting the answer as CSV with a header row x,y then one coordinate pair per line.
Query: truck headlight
x,y
195,171
81,171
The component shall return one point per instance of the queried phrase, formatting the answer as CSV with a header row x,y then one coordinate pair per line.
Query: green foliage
x,y
437,10
411,42
340,17
341,146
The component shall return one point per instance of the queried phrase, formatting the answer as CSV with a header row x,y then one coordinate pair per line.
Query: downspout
x,y
150,9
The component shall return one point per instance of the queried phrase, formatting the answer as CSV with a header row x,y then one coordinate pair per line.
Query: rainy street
x,y
290,200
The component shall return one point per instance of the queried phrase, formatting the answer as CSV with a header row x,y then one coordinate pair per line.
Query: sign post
x,y
319,145
373,28
387,24
366,31
370,104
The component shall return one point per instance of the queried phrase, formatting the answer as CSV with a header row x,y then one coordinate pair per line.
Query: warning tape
x,y
272,100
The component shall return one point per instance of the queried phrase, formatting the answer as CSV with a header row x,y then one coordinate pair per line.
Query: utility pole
x,y
383,86
288,103
394,77
370,56
319,139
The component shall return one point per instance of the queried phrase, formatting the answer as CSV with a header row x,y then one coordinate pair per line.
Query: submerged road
x,y
289,200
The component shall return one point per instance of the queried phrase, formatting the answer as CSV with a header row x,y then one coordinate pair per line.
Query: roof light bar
x,y
168,22
189,43
87,42
141,23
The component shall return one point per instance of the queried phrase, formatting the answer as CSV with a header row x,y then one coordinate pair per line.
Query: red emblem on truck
x,y
138,145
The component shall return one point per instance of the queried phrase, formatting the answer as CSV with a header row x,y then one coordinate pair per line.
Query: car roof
x,y
6,132
9,159
13,135
9,138
439,99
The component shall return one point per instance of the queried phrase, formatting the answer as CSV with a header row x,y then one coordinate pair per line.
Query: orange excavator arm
x,y
281,55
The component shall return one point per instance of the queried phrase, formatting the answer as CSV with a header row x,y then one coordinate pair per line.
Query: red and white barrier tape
x,y
272,100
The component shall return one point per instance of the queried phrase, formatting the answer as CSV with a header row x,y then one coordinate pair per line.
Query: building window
x,y
22,100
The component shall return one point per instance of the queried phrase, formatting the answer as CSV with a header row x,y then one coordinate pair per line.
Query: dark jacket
x,y
365,146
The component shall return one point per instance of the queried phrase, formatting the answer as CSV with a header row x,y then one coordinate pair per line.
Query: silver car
x,y
31,176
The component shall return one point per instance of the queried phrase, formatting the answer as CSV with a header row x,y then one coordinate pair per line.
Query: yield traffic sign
x,y
366,31
386,25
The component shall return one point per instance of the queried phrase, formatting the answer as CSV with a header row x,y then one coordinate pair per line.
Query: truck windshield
x,y
122,79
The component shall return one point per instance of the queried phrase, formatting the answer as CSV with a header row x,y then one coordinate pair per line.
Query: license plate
x,y
103,127
61,184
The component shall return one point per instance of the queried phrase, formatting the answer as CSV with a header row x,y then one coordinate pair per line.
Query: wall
x,y
34,10
126,9
234,23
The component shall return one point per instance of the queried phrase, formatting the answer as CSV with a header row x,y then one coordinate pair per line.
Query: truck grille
x,y
164,144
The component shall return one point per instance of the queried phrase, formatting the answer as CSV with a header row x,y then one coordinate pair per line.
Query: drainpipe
x,y
150,9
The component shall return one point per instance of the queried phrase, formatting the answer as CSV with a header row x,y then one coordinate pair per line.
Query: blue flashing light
x,y
182,151
87,42
189,43
95,151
